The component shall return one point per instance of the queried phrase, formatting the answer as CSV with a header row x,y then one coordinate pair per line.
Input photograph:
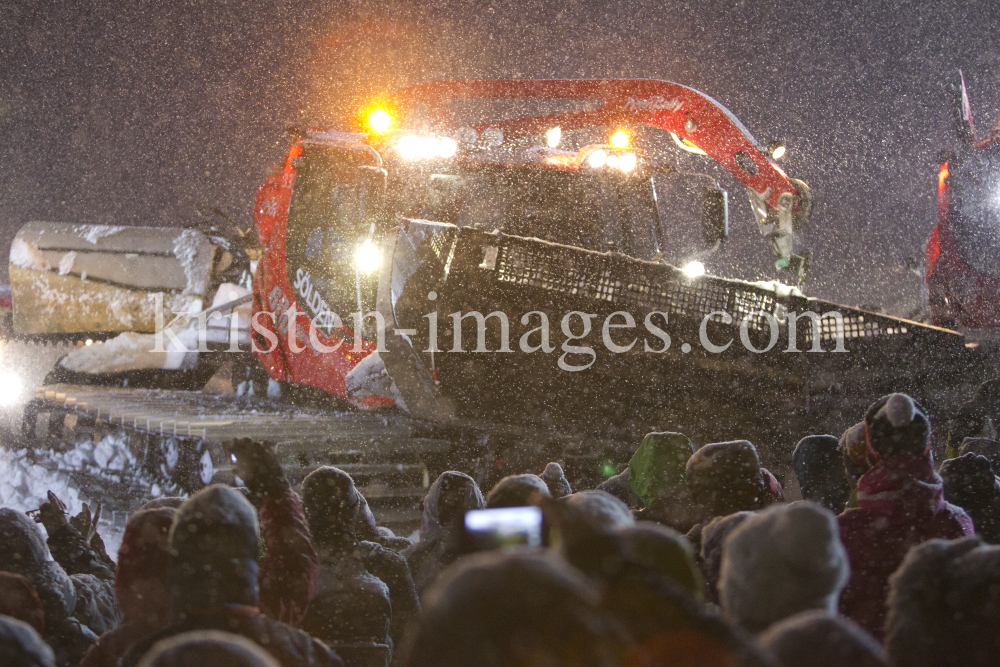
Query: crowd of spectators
x,y
690,556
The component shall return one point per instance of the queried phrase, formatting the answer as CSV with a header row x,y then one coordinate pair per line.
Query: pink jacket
x,y
901,504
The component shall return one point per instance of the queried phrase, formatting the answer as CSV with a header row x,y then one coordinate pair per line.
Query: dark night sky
x,y
135,112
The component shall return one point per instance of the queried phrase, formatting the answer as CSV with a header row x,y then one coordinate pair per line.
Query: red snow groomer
x,y
506,252
963,252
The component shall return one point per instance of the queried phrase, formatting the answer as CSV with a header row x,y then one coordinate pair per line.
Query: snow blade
x,y
70,278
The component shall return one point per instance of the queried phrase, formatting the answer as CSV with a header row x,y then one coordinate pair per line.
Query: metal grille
x,y
633,283
854,325
443,243
538,266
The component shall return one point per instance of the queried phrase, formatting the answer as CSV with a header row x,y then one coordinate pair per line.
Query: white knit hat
x,y
784,560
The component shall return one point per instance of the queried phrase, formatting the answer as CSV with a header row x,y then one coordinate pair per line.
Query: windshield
x,y
592,211
975,210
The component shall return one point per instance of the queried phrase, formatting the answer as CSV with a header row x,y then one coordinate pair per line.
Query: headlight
x,y
11,387
553,136
693,269
597,159
367,257
412,147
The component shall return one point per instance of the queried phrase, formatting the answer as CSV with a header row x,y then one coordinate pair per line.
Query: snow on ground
x,y
25,480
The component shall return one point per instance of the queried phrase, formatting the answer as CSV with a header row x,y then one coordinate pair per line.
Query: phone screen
x,y
503,527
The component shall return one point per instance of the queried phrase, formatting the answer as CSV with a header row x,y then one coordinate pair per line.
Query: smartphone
x,y
501,527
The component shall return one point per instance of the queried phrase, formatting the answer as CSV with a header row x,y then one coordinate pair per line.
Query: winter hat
x,y
215,544
600,509
969,480
19,600
20,645
451,495
713,536
555,479
663,550
819,467
331,503
822,639
782,561
144,555
896,424
725,477
983,447
207,647
854,452
508,608
517,491
943,603
169,502
658,465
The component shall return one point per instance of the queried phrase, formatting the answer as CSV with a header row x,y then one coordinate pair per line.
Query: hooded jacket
x,y
365,593
140,585
77,607
969,482
451,495
900,504
656,476
214,542
819,468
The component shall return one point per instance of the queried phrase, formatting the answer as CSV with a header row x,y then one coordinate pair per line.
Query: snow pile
x,y
94,233
25,480
66,263
27,256
23,485
780,289
196,265
134,351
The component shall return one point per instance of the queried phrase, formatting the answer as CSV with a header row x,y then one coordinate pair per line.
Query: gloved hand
x,y
52,514
86,523
257,466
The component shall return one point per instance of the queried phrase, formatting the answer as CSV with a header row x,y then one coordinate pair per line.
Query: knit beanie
x,y
20,645
822,639
782,561
517,491
725,477
665,551
207,647
896,424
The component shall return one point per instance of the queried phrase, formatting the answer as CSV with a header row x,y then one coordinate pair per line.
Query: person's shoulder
x,y
289,645
959,519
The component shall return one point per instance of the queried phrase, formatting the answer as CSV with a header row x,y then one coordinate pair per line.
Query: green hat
x,y
658,465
